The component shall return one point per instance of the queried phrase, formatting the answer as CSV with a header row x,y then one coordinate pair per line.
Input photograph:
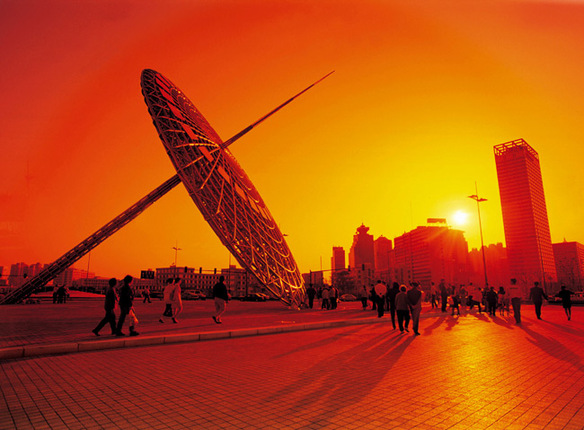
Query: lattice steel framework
x,y
217,184
221,189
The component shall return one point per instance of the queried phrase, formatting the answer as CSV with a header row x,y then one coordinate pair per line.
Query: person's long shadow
x,y
437,323
553,348
501,321
570,330
348,376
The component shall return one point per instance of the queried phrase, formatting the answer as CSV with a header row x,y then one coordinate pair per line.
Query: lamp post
x,y
176,250
478,199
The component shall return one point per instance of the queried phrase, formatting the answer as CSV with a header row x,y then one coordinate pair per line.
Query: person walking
x,y
537,294
168,296
333,297
492,299
443,295
110,304
391,294
414,296
364,297
325,299
515,296
434,295
380,292
311,293
146,295
566,296
221,298
126,301
402,309
503,301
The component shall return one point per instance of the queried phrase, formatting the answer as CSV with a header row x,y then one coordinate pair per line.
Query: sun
x,y
459,218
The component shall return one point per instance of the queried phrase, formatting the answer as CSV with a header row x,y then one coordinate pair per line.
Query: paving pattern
x,y
468,372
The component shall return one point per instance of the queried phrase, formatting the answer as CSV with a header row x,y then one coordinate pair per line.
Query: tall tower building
x,y
525,220
338,259
362,254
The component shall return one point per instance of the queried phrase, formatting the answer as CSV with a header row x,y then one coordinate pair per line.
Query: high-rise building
x,y
338,259
383,248
569,258
497,266
431,253
362,253
525,220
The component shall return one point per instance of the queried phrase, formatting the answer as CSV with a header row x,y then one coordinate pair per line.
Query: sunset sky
x,y
421,93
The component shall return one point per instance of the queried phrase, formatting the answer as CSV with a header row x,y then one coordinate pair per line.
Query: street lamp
x,y
478,199
176,250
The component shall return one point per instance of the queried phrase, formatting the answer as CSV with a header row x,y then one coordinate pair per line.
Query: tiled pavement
x,y
468,372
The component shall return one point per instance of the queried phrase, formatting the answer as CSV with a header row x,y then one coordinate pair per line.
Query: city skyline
x,y
400,133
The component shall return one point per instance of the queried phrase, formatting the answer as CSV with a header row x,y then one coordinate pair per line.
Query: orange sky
x,y
399,133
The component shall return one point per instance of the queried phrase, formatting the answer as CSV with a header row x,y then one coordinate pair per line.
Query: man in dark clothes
x,y
414,296
566,296
110,303
221,298
391,293
310,292
126,301
536,294
443,295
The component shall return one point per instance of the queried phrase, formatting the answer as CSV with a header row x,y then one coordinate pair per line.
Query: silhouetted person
x,y
311,293
326,304
566,296
537,294
503,301
492,298
402,309
126,301
380,292
62,294
110,304
455,303
473,295
434,295
391,294
221,298
415,303
364,297
515,296
443,295
146,294
373,298
177,305
168,296
55,293
333,297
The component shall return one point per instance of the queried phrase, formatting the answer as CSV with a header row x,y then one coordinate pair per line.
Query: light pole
x,y
176,250
478,199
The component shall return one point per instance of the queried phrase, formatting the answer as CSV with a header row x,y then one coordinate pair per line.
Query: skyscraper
x,y
525,220
338,259
362,253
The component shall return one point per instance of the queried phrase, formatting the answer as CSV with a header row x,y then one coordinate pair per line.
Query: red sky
x,y
399,133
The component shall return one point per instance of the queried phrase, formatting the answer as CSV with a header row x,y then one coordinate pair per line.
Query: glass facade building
x,y
527,232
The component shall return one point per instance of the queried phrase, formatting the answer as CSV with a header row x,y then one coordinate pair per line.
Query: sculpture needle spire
x,y
248,128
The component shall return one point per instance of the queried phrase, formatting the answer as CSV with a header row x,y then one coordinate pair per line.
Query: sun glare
x,y
460,218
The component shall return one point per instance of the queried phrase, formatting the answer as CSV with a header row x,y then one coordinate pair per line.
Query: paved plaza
x,y
467,372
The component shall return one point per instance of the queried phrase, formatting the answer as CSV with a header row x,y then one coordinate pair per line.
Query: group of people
x,y
60,294
122,295
403,304
328,296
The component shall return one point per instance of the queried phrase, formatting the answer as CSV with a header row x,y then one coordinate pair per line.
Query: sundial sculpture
x,y
217,184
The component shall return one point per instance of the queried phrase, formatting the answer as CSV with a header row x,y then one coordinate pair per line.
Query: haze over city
x,y
398,134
